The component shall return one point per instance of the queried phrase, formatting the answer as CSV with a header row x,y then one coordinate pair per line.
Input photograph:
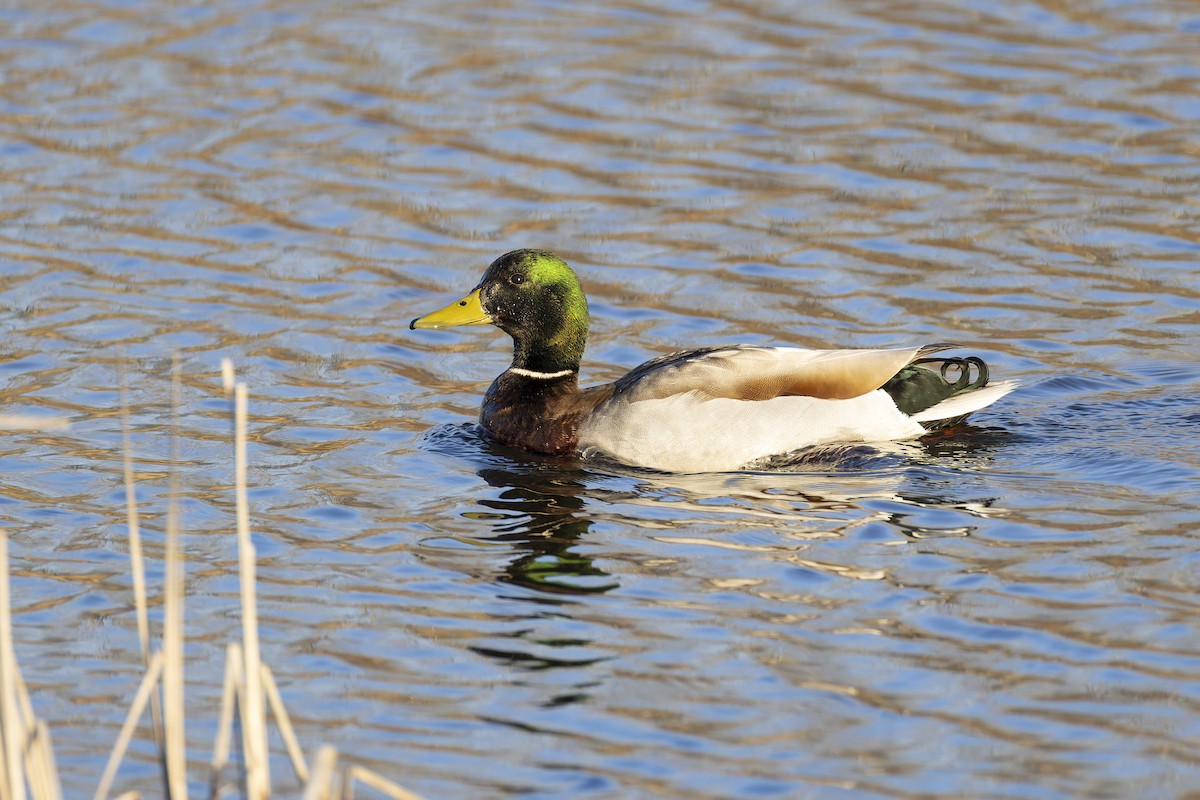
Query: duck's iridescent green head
x,y
533,296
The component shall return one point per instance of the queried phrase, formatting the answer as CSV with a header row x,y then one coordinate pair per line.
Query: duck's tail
x,y
955,408
929,392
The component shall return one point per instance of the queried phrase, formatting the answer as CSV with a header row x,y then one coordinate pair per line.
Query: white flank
x,y
528,373
966,402
691,433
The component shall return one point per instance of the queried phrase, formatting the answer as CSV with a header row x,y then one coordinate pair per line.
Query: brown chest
x,y
538,415
522,426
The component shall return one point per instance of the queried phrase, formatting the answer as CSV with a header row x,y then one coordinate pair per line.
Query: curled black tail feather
x,y
963,382
927,381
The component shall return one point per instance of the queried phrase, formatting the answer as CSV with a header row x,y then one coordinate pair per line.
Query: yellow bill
x,y
468,311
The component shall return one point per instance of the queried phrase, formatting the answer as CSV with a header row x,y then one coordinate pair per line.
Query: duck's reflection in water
x,y
545,505
540,511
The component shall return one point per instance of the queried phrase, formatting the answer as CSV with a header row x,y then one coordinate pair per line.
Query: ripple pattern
x,y
1007,612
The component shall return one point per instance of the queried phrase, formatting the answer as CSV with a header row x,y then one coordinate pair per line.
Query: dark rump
x,y
928,381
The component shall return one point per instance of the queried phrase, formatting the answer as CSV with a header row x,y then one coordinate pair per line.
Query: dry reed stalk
x,y
250,701
322,785
41,773
39,763
173,674
145,689
376,781
34,777
5,791
232,689
227,377
138,566
254,736
24,706
284,723
12,728
249,683
42,783
234,685
55,787
173,683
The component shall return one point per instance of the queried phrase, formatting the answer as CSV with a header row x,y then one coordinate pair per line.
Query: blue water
x,y
1009,611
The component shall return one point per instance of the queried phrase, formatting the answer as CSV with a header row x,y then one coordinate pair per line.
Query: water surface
x,y
1008,612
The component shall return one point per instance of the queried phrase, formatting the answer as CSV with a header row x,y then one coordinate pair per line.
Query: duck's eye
x,y
516,279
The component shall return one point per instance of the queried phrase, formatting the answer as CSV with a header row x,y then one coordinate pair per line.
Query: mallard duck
x,y
713,409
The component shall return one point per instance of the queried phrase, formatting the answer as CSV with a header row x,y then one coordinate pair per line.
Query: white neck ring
x,y
528,373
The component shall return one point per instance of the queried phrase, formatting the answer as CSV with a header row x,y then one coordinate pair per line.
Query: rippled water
x,y
1011,611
